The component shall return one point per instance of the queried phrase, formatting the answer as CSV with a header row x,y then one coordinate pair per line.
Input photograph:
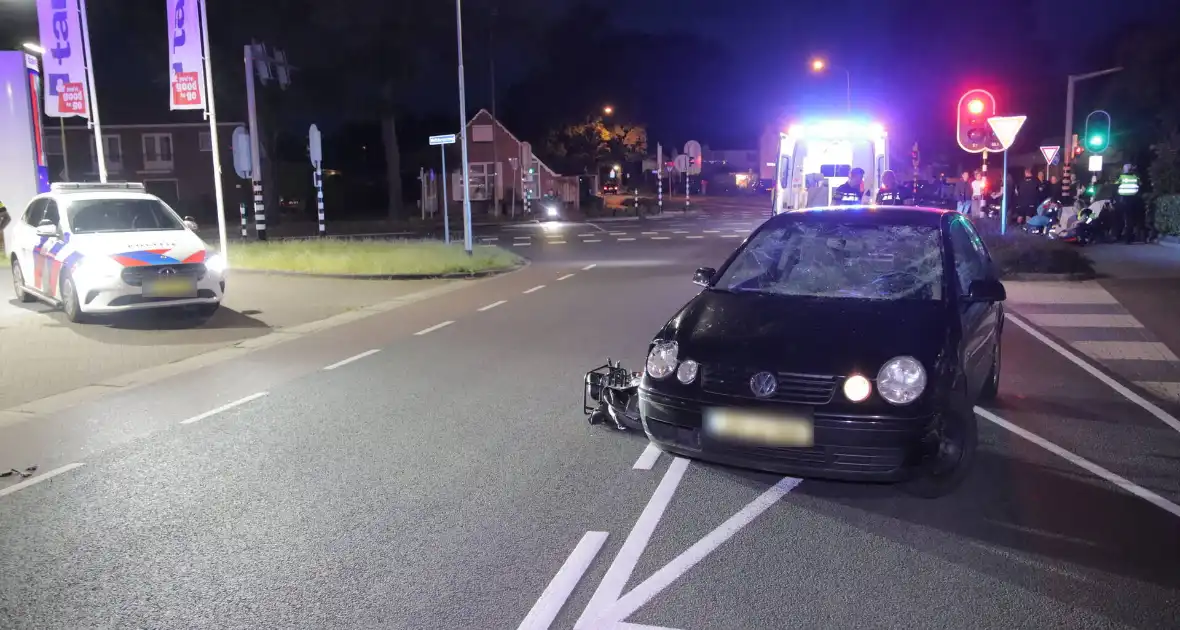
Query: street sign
x,y
448,138
1050,153
1006,128
315,146
692,149
1095,164
681,163
240,143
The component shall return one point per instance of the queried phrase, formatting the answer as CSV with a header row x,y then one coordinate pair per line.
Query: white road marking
x,y
617,233
1084,321
565,277
587,234
356,357
672,571
648,233
213,412
522,238
488,239
1163,389
1131,350
536,288
660,238
521,244
711,231
433,328
49,474
592,240
637,626
1147,405
542,614
695,236
557,242
1081,462
679,232
589,267
731,236
648,458
616,577
627,239
491,306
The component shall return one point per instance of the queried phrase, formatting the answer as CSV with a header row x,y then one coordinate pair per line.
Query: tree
x,y
584,146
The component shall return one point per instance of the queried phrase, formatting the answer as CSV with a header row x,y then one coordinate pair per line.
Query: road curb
x,y
394,276
1051,277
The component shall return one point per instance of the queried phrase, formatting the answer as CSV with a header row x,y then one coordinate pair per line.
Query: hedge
x,y
1167,214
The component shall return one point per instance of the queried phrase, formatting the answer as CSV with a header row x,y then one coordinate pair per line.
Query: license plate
x,y
170,288
773,429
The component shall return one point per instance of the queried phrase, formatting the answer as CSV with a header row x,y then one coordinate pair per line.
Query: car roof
x,y
906,215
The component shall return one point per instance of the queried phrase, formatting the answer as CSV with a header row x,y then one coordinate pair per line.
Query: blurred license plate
x,y
782,429
170,288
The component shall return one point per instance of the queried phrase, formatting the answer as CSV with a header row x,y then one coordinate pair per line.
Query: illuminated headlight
x,y
661,361
857,388
901,380
552,210
216,264
96,270
687,372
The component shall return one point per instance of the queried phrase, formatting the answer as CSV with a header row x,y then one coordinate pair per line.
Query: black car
x,y
848,343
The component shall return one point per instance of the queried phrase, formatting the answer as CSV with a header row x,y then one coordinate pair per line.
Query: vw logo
x,y
167,271
763,384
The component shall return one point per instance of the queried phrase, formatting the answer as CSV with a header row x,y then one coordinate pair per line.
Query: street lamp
x,y
819,65
608,110
463,126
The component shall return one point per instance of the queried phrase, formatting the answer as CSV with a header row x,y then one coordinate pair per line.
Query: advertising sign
x,y
63,63
185,63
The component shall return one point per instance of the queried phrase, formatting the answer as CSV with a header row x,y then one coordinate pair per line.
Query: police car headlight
x,y
95,270
216,264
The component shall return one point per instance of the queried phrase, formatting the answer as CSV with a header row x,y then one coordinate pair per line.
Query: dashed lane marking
x,y
534,289
491,306
589,267
355,357
224,408
565,277
426,331
45,476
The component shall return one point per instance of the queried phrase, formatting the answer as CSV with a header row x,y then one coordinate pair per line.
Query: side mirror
x,y
986,291
46,228
190,223
703,276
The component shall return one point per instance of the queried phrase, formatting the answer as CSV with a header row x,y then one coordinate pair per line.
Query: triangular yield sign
x,y
1049,153
1006,128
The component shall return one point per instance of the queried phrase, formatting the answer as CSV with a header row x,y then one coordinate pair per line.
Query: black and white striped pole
x,y
660,178
259,212
242,212
315,150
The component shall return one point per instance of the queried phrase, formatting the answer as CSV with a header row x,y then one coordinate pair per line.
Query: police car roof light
x,y
94,186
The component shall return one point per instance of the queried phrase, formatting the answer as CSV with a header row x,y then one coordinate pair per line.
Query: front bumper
x,y
113,295
854,448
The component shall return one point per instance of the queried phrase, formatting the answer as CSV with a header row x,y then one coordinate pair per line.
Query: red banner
x,y
72,98
186,91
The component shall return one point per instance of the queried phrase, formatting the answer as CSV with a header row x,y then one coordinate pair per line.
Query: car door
x,y
25,232
976,318
48,265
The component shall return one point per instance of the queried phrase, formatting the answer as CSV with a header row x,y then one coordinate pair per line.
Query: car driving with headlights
x,y
849,343
109,248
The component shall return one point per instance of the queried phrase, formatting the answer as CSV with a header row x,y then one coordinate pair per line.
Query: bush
x,y
1167,214
1018,253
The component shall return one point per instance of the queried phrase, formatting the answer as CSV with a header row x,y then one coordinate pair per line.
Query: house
x,y
172,160
494,163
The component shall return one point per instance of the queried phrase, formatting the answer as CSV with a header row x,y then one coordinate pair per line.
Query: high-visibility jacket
x,y
1128,185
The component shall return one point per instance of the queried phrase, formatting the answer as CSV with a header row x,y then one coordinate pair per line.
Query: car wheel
x,y
952,456
18,284
70,303
991,387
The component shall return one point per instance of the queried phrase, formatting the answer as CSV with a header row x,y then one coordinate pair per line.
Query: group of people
x,y
852,192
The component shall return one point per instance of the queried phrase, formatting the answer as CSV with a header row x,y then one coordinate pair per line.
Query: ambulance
x,y
813,159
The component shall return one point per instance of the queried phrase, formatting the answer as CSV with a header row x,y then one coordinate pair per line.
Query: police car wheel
x,y
69,301
18,284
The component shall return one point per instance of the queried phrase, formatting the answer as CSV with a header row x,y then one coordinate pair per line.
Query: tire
x,y
938,476
991,387
70,305
18,284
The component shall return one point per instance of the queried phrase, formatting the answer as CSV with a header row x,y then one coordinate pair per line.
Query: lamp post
x,y
819,65
463,127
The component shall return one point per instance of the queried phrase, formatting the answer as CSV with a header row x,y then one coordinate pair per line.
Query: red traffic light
x,y
972,130
975,106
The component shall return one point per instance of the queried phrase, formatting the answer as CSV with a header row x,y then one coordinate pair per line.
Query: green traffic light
x,y
1096,140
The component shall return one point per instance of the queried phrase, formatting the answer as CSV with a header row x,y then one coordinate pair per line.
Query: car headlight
x,y
215,263
661,361
901,380
96,269
857,388
552,210
687,372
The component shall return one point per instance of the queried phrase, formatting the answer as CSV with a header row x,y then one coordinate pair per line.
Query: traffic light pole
x,y
1067,159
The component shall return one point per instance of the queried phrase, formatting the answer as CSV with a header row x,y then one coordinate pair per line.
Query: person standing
x,y
963,194
851,192
1026,198
890,193
978,191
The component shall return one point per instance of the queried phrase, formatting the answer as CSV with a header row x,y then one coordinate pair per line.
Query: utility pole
x,y
463,126
496,183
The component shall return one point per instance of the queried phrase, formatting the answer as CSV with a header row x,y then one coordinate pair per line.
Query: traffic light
x,y
1097,131
974,134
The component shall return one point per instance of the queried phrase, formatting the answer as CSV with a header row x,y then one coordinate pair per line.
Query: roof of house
x,y
485,112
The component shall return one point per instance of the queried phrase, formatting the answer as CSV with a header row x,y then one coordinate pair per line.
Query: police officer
x,y
852,191
1129,204
4,218
890,193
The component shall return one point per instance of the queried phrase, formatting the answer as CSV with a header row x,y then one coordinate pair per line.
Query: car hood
x,y
139,249
807,335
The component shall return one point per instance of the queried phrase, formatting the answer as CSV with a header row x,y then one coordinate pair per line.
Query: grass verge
x,y
369,257
1021,253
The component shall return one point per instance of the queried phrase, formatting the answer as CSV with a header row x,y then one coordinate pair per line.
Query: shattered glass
x,y
837,260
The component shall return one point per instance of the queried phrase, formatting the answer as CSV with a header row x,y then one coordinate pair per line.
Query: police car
x,y
109,248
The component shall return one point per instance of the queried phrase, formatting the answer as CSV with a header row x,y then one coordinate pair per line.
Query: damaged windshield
x,y
840,260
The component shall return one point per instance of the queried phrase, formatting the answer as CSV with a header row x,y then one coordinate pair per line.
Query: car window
x,y
839,260
35,211
51,213
970,263
121,215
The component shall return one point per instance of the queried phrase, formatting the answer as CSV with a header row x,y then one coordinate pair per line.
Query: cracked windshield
x,y
589,315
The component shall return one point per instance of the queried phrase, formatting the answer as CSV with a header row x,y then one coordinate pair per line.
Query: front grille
x,y
134,275
800,389
128,300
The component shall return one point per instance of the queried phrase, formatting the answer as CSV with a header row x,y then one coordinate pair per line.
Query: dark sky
x,y
909,59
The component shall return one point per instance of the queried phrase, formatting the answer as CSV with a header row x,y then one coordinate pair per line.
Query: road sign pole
x,y
1004,198
319,198
445,199
255,155
659,177
242,212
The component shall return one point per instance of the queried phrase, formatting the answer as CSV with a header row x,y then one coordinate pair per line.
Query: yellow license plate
x,y
760,428
170,288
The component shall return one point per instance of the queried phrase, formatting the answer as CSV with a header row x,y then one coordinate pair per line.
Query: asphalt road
x,y
442,475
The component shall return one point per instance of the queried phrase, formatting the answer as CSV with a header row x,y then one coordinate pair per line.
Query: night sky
x,y
909,59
